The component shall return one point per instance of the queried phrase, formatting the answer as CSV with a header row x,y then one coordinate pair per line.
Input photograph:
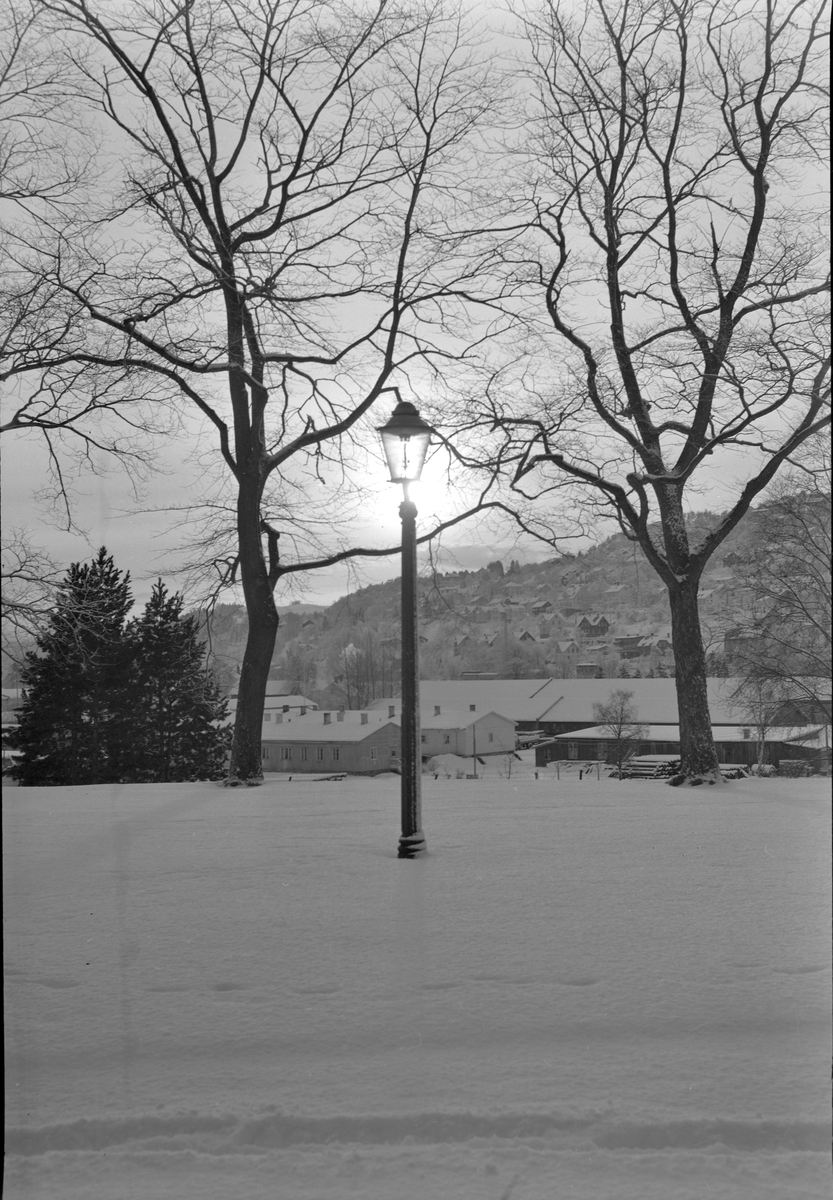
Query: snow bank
x,y
592,989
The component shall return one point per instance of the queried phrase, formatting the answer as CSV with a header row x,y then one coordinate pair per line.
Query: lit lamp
x,y
405,439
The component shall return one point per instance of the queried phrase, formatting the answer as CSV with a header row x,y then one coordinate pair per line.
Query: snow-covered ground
x,y
587,989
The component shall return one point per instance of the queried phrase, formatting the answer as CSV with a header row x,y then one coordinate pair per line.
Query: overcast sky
x,y
145,535
147,542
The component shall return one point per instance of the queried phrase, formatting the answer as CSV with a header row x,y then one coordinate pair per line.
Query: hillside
x,y
600,612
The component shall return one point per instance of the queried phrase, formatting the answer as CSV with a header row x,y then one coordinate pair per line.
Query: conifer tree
x,y
72,724
176,733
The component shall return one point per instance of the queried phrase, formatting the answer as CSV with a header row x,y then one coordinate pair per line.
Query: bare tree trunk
x,y
246,764
698,755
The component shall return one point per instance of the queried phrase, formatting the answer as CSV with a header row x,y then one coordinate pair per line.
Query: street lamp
x,y
405,440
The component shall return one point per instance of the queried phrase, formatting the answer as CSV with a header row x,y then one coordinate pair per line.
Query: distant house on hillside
x,y
630,645
709,600
594,626
741,644
567,646
596,646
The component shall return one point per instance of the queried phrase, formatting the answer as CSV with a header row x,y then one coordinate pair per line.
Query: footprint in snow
x,y
504,979
797,970
317,989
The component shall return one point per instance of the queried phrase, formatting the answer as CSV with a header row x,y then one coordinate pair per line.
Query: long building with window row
x,y
366,743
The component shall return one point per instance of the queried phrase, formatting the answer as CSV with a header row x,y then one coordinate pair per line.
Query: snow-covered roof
x,y
275,704
655,700
452,718
720,733
517,699
274,687
348,725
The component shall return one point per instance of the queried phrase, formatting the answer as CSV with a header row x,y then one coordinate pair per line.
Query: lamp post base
x,y
412,846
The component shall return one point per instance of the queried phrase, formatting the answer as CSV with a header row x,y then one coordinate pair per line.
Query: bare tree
x,y
784,650
617,718
677,247
40,160
757,700
275,248
87,418
29,579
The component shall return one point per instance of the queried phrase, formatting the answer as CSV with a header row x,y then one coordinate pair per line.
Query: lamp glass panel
x,y
405,454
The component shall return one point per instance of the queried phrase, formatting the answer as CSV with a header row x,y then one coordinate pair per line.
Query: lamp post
x,y
405,440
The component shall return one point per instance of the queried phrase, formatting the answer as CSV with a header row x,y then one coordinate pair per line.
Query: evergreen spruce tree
x,y
176,733
75,710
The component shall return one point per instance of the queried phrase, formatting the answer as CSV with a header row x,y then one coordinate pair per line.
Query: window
x,y
286,752
335,752
373,752
446,739
304,754
264,753
491,737
423,737
572,749
393,751
601,750
267,716
319,753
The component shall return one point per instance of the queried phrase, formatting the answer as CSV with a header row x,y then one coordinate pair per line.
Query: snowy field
x,y
587,989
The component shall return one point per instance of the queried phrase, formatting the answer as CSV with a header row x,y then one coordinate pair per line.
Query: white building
x,y
368,742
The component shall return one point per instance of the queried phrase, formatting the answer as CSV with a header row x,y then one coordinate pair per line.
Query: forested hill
x,y
603,610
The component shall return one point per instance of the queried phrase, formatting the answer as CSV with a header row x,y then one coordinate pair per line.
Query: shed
x,y
736,744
